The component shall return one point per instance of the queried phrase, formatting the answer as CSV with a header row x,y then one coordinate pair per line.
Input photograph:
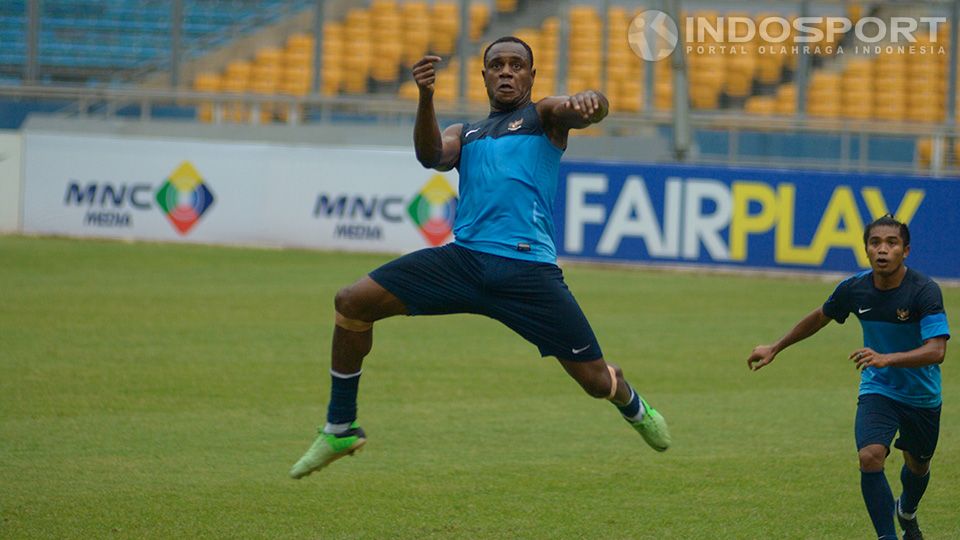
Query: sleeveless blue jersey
x,y
895,320
508,183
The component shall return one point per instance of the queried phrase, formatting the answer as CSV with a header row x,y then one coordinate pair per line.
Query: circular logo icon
x,y
652,35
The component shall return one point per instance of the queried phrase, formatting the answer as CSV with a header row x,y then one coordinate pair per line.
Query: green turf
x,y
161,391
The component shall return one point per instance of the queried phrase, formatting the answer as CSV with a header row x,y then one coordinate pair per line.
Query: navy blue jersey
x,y
895,320
508,182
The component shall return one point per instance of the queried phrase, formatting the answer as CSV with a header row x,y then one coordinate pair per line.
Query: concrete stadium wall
x,y
10,181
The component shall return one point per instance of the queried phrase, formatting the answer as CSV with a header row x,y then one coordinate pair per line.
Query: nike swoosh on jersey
x,y
580,350
467,134
861,311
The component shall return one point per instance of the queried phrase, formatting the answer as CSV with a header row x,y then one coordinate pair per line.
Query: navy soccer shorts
x,y
529,297
879,418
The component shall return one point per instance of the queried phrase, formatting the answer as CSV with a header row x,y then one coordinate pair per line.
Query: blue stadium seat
x,y
108,37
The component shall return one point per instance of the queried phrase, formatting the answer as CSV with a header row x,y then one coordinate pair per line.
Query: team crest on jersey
x,y
515,125
903,314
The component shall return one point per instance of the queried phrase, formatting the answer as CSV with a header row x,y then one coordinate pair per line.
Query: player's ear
x,y
906,251
533,73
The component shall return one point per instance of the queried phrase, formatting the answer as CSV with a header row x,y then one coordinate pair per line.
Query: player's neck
x,y
890,281
499,108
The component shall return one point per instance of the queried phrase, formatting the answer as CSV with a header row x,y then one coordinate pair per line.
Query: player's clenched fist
x,y
424,73
588,104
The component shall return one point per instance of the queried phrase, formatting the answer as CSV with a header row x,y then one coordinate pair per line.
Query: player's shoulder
x,y
920,282
859,279
915,276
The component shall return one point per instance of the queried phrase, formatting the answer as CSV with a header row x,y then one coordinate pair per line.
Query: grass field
x,y
161,391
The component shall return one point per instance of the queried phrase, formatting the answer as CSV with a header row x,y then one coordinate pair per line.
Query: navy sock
x,y
343,397
880,503
632,408
913,488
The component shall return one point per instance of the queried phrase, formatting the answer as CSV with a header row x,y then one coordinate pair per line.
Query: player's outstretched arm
x,y
573,112
435,150
808,326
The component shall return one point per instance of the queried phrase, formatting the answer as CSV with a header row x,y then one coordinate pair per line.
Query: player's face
x,y
508,75
885,250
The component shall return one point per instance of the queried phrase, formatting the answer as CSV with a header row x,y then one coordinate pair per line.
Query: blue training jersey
x,y
895,320
508,183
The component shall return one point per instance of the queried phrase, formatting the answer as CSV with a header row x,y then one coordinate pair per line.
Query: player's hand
x,y
425,74
867,357
761,356
588,104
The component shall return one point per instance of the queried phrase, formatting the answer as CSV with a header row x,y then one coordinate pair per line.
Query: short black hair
x,y
888,219
509,39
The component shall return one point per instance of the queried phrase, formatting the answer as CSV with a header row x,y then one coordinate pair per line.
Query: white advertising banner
x,y
235,193
9,182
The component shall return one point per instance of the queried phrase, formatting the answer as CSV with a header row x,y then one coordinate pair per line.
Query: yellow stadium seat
x,y
761,105
890,113
737,85
787,99
630,96
925,114
479,18
583,12
234,85
268,56
853,97
330,81
265,79
294,58
239,69
206,82
859,66
663,94
704,98
506,6
707,79
296,76
301,42
823,109
409,91
859,110
925,151
769,69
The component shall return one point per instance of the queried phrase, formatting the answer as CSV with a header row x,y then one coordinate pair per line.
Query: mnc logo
x,y
184,197
433,210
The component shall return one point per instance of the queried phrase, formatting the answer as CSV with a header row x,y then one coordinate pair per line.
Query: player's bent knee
x,y
352,325
348,304
872,457
603,385
343,302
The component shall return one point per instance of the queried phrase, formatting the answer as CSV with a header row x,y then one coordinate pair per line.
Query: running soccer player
x,y
905,337
502,263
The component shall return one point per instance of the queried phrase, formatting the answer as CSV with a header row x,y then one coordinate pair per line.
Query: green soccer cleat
x,y
328,448
653,428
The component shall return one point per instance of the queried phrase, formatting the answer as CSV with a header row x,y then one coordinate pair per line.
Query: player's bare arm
x,y
560,114
808,326
435,150
931,352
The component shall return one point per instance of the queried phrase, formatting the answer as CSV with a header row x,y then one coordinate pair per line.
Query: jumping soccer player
x,y
502,263
905,337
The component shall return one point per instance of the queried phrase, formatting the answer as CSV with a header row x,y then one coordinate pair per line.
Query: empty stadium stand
x,y
93,42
